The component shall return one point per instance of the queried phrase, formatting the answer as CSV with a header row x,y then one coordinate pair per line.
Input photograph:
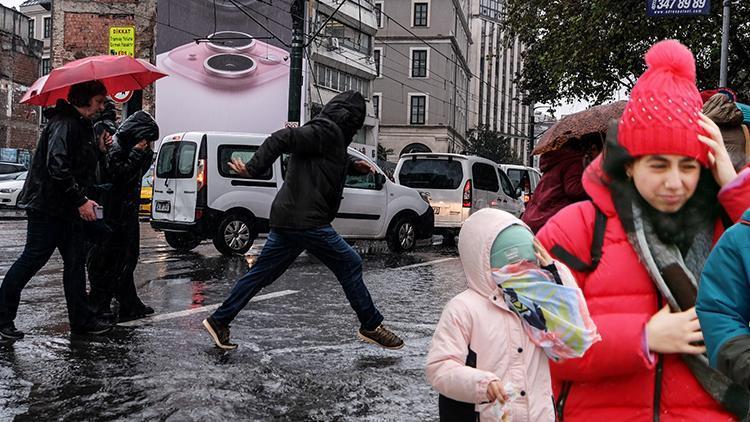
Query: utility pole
x,y
724,46
295,74
530,146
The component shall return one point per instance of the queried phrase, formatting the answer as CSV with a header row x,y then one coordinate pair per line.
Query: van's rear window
x,y
431,174
176,160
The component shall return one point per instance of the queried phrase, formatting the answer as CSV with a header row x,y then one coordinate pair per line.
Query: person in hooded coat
x,y
302,212
482,358
559,186
662,185
724,303
114,259
56,199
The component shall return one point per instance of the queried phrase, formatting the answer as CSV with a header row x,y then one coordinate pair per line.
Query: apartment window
x,y
417,109
379,14
337,80
31,29
491,8
349,37
377,56
46,66
419,59
420,14
47,27
376,105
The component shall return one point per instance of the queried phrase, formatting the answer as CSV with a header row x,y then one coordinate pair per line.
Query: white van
x,y
457,186
525,177
196,196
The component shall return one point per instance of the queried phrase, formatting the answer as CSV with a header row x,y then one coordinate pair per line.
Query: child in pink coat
x,y
489,354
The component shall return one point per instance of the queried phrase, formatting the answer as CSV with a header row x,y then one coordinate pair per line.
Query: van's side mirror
x,y
379,181
519,192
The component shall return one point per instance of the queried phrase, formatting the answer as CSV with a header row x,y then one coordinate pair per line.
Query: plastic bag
x,y
500,411
135,128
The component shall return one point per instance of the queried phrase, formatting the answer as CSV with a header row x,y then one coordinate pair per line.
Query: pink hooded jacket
x,y
478,320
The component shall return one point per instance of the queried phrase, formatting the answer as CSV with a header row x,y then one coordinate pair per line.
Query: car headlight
x,y
8,190
425,196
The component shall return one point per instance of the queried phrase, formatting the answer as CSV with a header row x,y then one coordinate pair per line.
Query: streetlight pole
x,y
724,46
530,146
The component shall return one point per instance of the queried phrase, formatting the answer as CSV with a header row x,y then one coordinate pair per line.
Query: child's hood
x,y
475,244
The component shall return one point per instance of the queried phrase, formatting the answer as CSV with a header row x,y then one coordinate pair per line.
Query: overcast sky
x,y
11,3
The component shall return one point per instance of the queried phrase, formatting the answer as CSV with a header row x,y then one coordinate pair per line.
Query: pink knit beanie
x,y
661,116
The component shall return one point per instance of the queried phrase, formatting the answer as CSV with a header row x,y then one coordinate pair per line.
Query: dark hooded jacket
x,y
62,173
318,164
559,186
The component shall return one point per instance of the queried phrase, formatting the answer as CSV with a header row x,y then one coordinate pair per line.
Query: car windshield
x,y
431,173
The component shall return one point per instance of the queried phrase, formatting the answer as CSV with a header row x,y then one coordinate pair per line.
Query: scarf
x,y
675,281
554,316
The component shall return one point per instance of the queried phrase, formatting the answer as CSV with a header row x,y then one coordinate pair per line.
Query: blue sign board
x,y
677,7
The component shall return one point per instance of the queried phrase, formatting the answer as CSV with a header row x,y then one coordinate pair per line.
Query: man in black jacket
x,y
301,216
55,199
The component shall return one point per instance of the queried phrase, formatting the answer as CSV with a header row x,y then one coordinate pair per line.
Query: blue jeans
x,y
44,234
282,248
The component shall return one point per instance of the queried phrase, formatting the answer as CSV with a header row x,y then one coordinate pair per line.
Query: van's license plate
x,y
163,206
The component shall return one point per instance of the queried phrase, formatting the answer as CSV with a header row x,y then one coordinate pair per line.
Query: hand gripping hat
x,y
661,116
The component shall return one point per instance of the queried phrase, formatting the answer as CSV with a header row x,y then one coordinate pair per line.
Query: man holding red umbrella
x,y
54,196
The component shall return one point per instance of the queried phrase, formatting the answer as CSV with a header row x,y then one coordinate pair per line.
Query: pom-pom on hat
x,y
661,116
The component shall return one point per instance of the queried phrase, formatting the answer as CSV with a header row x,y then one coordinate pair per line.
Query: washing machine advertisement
x,y
226,70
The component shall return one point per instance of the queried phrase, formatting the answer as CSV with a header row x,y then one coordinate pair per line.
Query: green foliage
x,y
489,144
589,50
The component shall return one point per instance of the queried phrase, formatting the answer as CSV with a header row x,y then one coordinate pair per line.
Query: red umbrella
x,y
118,73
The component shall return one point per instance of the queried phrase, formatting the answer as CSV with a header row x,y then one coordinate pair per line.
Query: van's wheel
x,y
182,241
235,235
402,235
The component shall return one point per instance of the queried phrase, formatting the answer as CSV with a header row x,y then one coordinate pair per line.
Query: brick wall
x,y
19,68
80,28
87,34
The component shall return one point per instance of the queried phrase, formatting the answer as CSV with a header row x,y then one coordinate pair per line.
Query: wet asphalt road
x,y
299,357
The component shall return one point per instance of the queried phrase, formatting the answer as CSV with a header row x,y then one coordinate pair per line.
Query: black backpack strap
x,y
726,220
597,242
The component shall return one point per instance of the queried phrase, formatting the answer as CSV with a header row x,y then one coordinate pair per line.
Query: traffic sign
x,y
122,41
122,96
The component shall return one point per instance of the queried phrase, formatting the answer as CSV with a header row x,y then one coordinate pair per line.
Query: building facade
x,y
421,93
496,59
20,57
80,28
340,58
40,28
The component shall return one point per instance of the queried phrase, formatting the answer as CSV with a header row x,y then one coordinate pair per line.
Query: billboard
x,y
226,72
677,7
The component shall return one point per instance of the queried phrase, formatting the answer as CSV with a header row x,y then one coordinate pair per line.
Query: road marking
x,y
424,264
164,317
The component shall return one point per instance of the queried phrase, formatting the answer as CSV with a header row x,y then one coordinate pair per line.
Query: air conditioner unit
x,y
333,43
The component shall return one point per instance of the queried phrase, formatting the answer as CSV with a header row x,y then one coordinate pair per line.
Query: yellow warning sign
x,y
122,41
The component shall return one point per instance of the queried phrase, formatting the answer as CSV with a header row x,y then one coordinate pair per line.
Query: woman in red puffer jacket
x,y
659,170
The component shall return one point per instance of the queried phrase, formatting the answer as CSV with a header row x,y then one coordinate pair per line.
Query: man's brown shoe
x,y
382,337
219,333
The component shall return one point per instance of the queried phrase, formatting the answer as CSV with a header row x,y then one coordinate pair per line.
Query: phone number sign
x,y
677,7
122,41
